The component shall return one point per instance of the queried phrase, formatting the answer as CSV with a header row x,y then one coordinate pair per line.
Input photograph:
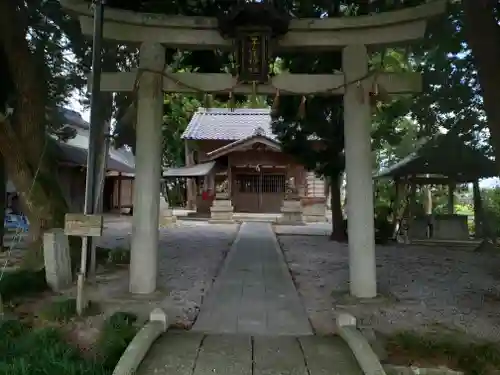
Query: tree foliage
x,y
451,97
37,76
53,37
43,59
322,117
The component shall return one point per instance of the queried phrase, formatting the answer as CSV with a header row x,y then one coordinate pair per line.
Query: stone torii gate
x,y
350,34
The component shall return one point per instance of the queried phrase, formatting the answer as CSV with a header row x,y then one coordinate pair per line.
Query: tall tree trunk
x,y
3,199
483,36
34,199
23,136
479,218
338,229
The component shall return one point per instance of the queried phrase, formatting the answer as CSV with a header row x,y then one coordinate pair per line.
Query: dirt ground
x,y
420,287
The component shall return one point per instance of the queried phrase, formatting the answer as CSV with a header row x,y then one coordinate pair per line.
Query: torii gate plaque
x,y
253,26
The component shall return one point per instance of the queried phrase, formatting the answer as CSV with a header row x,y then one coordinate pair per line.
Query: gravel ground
x,y
191,256
189,259
420,287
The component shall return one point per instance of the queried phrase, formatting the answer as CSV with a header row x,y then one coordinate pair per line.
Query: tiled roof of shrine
x,y
229,125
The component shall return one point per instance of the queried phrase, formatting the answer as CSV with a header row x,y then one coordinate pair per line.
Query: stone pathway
x,y
252,322
254,293
190,353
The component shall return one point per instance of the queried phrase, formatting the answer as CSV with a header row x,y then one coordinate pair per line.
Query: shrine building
x,y
238,146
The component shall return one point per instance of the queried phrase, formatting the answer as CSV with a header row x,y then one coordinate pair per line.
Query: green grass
x,y
26,351
112,257
118,330
39,352
14,284
118,256
471,358
63,309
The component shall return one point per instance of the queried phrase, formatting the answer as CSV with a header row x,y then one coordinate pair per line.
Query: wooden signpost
x,y
84,226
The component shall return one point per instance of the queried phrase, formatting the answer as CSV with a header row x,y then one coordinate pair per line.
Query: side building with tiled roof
x,y
71,155
238,146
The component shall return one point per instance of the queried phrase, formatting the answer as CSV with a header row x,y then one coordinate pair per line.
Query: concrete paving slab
x,y
328,356
188,353
278,356
310,229
172,353
225,355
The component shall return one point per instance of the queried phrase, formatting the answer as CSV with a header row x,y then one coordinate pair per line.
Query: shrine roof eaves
x,y
228,125
253,139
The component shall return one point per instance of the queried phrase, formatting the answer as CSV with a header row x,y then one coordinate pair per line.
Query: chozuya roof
x,y
229,125
445,155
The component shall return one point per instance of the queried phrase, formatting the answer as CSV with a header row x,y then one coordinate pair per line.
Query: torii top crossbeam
x,y
319,34
314,33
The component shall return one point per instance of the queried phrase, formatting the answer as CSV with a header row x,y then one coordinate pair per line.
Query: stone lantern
x,y
291,209
222,208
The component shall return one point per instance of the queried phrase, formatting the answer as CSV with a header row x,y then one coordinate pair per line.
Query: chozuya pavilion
x,y
256,30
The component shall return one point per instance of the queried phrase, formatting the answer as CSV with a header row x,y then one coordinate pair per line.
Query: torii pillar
x,y
145,236
357,122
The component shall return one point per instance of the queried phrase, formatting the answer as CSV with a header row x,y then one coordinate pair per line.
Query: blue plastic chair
x,y
17,222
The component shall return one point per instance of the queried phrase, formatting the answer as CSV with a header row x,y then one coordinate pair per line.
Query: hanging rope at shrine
x,y
229,89
276,102
253,98
207,100
208,96
302,108
360,92
253,26
377,93
232,101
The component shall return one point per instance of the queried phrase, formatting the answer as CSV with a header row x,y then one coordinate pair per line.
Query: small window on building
x,y
255,183
247,183
273,183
